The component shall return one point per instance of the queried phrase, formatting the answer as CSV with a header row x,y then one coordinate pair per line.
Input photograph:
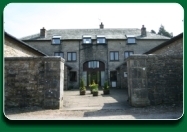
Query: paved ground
x,y
117,99
102,107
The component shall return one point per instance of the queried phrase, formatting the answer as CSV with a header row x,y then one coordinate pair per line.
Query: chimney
x,y
101,26
43,32
143,31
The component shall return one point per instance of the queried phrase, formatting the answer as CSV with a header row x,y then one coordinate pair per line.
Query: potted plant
x,y
106,89
95,91
94,88
82,88
91,86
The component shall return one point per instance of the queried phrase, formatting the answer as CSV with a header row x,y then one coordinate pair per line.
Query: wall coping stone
x,y
143,56
53,58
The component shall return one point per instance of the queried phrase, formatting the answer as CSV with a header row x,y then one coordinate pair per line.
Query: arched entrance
x,y
94,70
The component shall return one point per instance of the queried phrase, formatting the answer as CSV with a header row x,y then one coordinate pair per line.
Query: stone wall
x,y
175,48
155,79
34,81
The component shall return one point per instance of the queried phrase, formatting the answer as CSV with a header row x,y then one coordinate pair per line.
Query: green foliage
x,y
82,86
106,87
95,90
153,31
163,32
93,86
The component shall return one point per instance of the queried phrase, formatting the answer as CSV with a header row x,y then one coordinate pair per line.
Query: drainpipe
x,y
79,63
107,65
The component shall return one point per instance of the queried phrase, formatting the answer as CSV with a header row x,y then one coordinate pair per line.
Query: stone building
x,y
94,54
14,47
173,46
156,77
31,77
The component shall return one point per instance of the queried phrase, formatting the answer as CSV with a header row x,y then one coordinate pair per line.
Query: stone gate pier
x,y
155,79
34,81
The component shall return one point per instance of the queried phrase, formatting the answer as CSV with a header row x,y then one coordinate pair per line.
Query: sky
x,y
23,19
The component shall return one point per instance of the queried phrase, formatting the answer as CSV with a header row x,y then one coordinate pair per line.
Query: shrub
x,y
82,86
106,86
93,86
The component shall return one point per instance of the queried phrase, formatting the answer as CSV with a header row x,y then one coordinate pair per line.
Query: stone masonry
x,y
155,79
16,48
34,81
175,48
94,52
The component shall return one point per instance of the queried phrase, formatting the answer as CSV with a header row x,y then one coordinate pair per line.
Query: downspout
x,y
107,65
79,64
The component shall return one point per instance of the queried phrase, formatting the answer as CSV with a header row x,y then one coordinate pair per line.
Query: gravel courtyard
x,y
102,107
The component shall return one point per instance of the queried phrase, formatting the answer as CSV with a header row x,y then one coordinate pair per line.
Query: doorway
x,y
94,77
113,78
94,70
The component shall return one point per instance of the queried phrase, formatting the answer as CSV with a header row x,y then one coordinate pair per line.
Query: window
x,y
113,76
114,55
59,54
101,39
131,39
93,64
56,40
72,56
73,76
128,53
87,39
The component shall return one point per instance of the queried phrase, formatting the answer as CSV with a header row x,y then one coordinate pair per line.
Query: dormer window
x,y
131,39
56,40
101,39
86,39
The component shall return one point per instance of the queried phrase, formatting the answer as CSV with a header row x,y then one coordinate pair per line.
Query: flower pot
x,y
105,92
82,92
95,93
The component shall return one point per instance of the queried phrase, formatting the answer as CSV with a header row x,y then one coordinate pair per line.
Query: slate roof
x,y
110,33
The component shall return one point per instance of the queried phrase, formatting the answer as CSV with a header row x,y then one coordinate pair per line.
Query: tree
x,y
163,32
153,31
